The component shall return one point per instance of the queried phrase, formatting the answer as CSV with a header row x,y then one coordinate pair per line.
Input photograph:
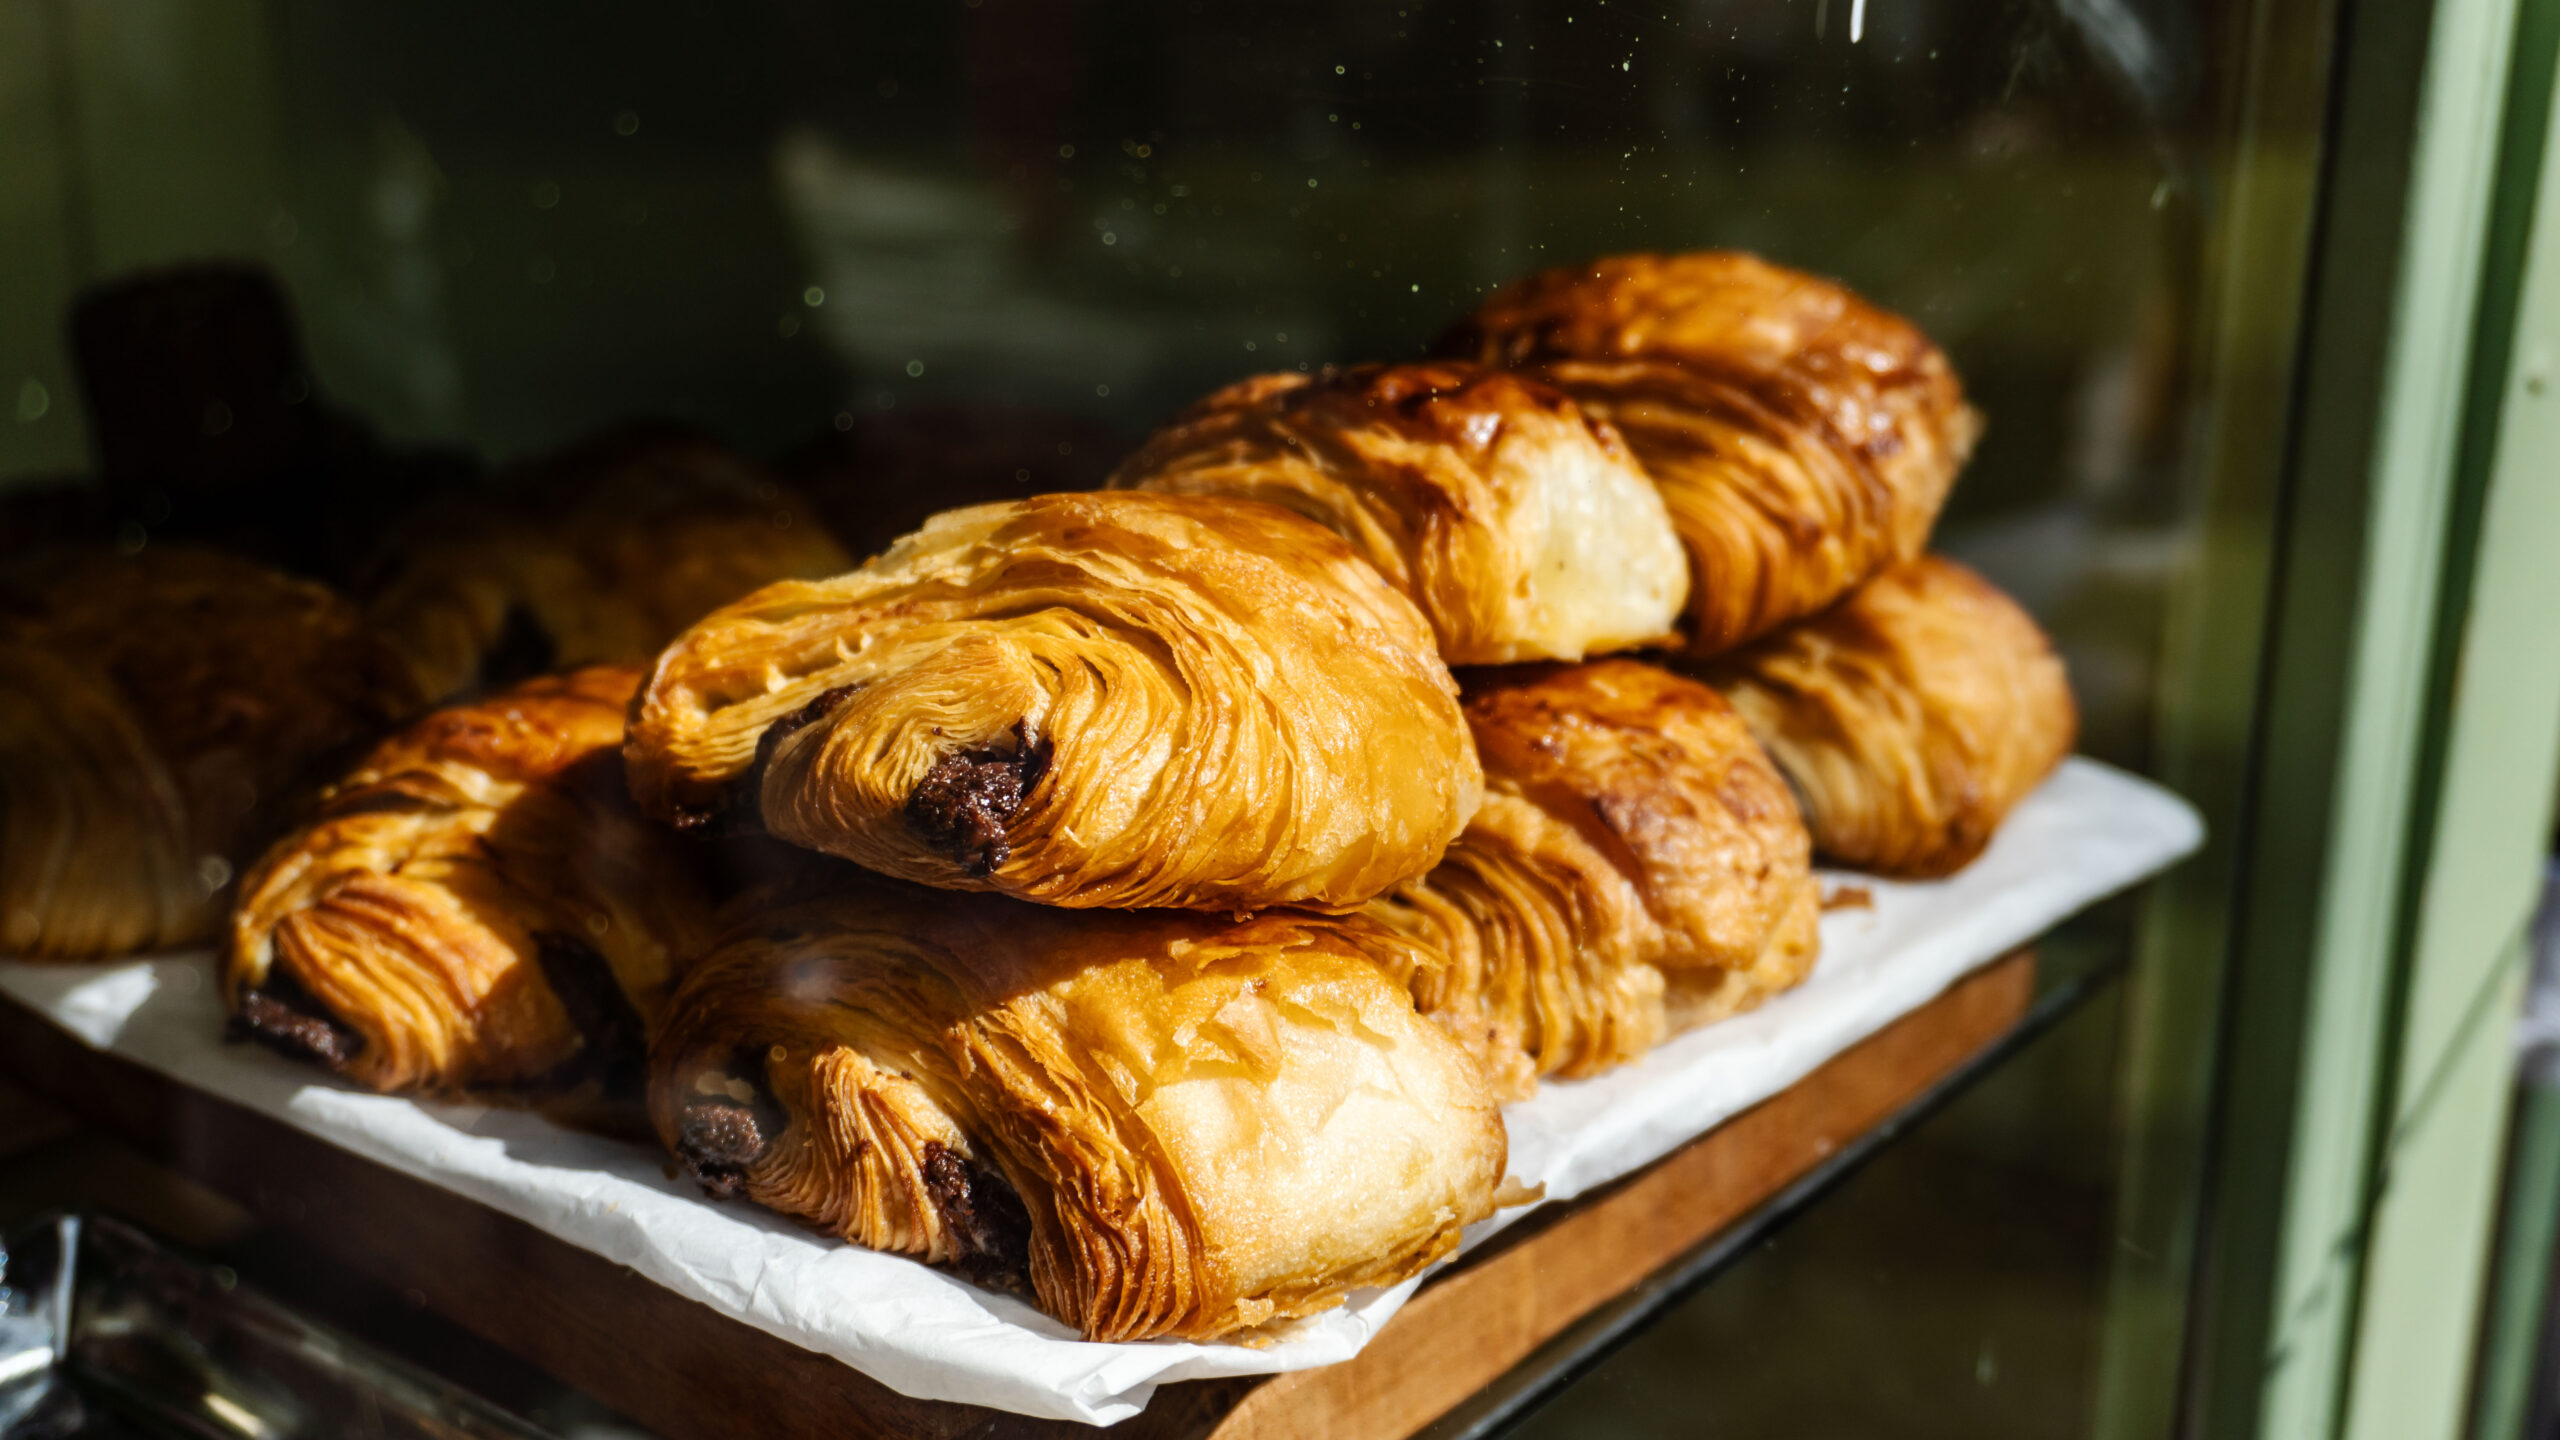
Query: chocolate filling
x,y
283,1016
740,811
616,1043
985,1218
963,803
717,1137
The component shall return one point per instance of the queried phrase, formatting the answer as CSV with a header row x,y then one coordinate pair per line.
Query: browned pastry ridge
x,y
478,905
1119,699
1637,868
607,549
1163,1124
1911,717
1521,528
1803,439
155,714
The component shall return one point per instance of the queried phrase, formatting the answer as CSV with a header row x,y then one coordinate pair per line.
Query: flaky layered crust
x,y
1521,528
1164,1124
1638,867
1911,717
95,856
605,551
1803,439
1120,699
155,713
477,906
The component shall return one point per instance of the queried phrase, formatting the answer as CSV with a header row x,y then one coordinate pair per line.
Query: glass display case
x,y
2256,300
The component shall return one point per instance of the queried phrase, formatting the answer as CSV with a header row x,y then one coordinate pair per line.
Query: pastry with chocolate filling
x,y
478,906
157,714
1157,1124
1638,868
1119,699
1521,527
1911,717
598,554
1804,439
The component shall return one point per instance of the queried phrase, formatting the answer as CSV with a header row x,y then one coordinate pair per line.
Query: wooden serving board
x,y
687,1372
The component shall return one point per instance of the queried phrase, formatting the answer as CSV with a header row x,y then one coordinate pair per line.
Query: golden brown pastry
x,y
1122,699
478,905
1637,868
155,714
1910,717
1803,438
1520,527
1166,1124
606,551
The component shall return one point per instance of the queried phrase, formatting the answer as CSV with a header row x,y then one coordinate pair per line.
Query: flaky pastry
x,y
1119,699
1803,439
601,553
1161,1124
155,715
1521,528
477,906
1911,717
1637,868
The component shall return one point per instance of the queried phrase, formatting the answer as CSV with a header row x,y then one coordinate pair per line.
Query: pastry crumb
x,y
1849,897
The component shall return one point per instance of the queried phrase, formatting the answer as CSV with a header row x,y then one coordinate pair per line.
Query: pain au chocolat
x,y
1159,1124
1637,868
596,554
478,906
156,713
1119,699
1803,439
1911,717
1521,527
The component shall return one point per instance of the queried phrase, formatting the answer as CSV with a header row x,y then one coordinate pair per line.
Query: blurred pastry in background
x,y
1804,439
1911,717
595,554
207,427
1522,529
885,473
157,714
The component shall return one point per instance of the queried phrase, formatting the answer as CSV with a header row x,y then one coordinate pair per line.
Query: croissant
x,y
155,712
1117,699
1911,717
1803,439
1637,868
477,906
610,548
1161,1124
1520,527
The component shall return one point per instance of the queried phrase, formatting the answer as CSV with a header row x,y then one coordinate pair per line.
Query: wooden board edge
x,y
686,1370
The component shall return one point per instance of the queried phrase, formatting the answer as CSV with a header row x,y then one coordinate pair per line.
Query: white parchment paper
x,y
2090,831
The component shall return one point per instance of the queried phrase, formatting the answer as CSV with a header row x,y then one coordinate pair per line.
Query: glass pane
x,y
1045,227
925,254
1953,1286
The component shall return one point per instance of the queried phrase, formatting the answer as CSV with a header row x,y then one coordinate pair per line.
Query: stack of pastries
x,y
164,714
157,714
1144,899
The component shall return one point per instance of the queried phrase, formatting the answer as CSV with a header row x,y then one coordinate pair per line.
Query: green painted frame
x,y
2346,940
2440,1137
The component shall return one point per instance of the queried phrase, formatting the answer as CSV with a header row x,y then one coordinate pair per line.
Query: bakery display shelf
x,y
1477,1348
